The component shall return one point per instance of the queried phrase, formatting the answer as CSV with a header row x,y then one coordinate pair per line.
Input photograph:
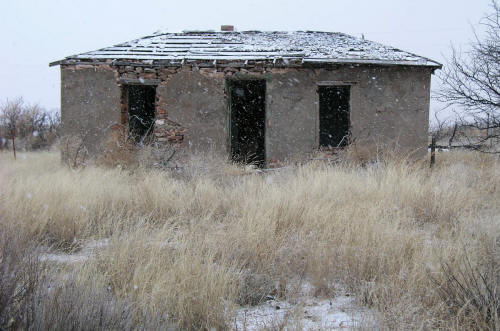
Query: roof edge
x,y
237,63
56,63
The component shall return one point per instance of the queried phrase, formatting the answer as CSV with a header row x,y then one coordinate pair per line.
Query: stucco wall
x,y
389,106
90,103
197,103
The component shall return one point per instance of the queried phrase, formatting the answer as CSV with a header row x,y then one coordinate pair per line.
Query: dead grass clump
x,y
35,295
165,273
359,153
118,149
192,244
19,268
68,205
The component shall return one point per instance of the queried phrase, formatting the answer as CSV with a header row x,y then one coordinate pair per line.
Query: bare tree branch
x,y
471,81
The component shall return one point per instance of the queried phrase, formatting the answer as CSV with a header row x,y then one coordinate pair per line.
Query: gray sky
x,y
34,32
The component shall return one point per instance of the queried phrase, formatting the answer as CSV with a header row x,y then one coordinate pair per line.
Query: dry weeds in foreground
x,y
186,252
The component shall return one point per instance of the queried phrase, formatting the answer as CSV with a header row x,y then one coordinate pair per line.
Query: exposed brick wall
x,y
165,131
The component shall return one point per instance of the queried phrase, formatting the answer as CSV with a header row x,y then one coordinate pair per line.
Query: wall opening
x,y
247,101
141,111
334,116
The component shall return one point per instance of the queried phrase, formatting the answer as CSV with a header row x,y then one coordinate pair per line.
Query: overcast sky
x,y
34,33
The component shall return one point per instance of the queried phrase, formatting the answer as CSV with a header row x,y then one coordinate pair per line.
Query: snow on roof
x,y
305,46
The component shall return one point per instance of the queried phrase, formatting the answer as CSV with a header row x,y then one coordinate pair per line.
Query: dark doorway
x,y
333,116
248,115
141,111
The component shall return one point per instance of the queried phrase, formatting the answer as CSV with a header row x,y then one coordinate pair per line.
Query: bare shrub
x,y
470,291
27,127
254,288
158,155
10,116
73,151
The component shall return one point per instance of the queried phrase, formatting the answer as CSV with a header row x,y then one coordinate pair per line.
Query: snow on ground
x,y
82,255
308,313
304,311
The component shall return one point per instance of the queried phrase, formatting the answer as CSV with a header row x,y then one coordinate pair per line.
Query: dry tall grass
x,y
187,251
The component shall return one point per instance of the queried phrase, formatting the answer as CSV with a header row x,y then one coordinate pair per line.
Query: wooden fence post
x,y
433,151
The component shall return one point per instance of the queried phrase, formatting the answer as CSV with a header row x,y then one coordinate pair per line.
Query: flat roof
x,y
281,47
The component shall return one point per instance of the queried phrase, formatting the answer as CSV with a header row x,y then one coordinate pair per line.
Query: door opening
x,y
334,116
141,111
248,115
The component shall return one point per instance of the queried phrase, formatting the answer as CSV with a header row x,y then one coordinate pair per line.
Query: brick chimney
x,y
227,27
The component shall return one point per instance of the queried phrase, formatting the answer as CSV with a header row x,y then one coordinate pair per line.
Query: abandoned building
x,y
260,97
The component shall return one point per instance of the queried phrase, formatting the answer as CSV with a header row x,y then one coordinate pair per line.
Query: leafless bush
x,y
254,288
157,155
74,151
10,114
30,126
471,292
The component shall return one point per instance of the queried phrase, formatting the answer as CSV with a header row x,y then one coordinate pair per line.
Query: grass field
x,y
419,248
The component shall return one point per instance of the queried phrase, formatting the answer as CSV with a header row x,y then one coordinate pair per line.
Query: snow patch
x,y
80,256
308,313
